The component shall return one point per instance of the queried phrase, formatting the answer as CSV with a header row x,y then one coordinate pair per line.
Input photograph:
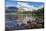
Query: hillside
x,y
11,9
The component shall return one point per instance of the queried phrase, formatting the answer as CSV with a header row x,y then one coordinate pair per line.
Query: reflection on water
x,y
17,21
22,21
20,18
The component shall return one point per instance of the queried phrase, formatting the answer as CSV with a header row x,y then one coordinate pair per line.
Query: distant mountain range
x,y
11,8
14,9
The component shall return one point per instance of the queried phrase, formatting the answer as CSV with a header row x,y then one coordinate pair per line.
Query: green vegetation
x,y
25,12
39,13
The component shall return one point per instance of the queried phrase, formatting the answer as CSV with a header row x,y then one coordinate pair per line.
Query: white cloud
x,y
24,6
27,7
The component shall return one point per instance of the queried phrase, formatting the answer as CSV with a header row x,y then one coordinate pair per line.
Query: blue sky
x,y
10,3
36,4
31,5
